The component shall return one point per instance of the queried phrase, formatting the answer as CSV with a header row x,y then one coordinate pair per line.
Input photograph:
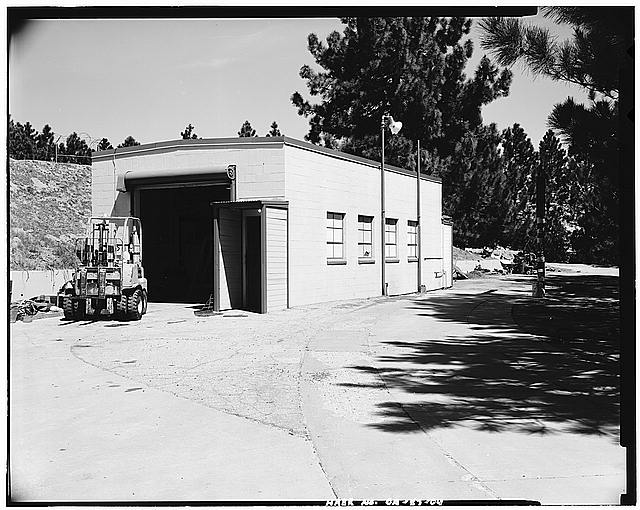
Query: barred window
x,y
391,238
335,235
365,236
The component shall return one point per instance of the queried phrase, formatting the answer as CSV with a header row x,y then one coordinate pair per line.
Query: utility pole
x,y
394,127
419,226
383,219
540,206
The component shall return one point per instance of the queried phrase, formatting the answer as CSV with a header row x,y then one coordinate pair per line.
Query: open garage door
x,y
178,242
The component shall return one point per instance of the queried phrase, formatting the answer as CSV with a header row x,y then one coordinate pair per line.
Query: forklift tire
x,y
121,306
79,308
135,306
73,308
67,307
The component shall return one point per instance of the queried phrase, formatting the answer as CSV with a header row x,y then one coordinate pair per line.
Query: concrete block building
x,y
264,224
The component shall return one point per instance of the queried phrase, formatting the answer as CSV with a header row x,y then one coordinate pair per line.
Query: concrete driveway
x,y
86,432
456,394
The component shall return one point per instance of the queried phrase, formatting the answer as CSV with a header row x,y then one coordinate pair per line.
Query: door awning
x,y
250,204
131,178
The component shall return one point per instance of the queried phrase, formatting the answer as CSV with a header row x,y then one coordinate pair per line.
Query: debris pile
x,y
26,309
476,262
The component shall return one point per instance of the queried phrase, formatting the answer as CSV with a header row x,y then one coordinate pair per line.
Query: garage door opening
x,y
178,242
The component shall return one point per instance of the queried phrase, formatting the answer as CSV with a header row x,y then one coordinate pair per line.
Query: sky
x,y
150,78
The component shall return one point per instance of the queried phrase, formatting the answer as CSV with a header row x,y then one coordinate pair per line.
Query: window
x,y
365,237
391,238
335,236
412,241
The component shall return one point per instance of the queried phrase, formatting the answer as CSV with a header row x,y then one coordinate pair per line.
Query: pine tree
x,y
30,135
45,149
76,150
188,133
560,200
104,145
592,58
275,131
411,68
474,186
246,130
519,163
22,140
129,141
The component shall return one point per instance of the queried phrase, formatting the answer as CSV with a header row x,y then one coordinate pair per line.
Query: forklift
x,y
109,277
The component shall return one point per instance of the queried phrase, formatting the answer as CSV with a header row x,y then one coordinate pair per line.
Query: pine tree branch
x,y
511,41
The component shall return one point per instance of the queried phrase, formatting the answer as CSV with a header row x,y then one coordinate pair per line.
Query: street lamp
x,y
394,127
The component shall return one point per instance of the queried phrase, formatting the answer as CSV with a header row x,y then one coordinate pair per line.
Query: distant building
x,y
268,223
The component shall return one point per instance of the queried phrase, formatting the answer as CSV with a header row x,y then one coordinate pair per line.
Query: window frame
x,y
391,222
414,245
362,220
334,216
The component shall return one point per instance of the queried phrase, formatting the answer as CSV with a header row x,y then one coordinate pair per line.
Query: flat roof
x,y
253,142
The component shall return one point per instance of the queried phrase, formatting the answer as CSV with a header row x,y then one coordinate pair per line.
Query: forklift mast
x,y
110,242
100,234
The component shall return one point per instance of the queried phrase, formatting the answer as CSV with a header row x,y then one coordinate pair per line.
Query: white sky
x,y
150,78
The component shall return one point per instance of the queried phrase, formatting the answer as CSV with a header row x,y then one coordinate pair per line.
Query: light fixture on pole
x,y
395,127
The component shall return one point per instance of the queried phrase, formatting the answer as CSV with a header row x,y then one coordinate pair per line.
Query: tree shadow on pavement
x,y
513,363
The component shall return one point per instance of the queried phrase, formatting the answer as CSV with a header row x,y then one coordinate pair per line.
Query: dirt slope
x,y
50,204
459,254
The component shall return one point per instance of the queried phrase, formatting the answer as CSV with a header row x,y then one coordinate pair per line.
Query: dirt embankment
x,y
50,204
459,254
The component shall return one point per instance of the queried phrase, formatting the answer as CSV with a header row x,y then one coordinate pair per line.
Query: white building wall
x,y
313,183
317,184
103,188
431,234
447,254
276,258
259,172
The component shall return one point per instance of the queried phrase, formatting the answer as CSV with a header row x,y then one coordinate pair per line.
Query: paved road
x,y
442,396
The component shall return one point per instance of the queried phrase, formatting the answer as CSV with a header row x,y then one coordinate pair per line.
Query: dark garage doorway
x,y
177,241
